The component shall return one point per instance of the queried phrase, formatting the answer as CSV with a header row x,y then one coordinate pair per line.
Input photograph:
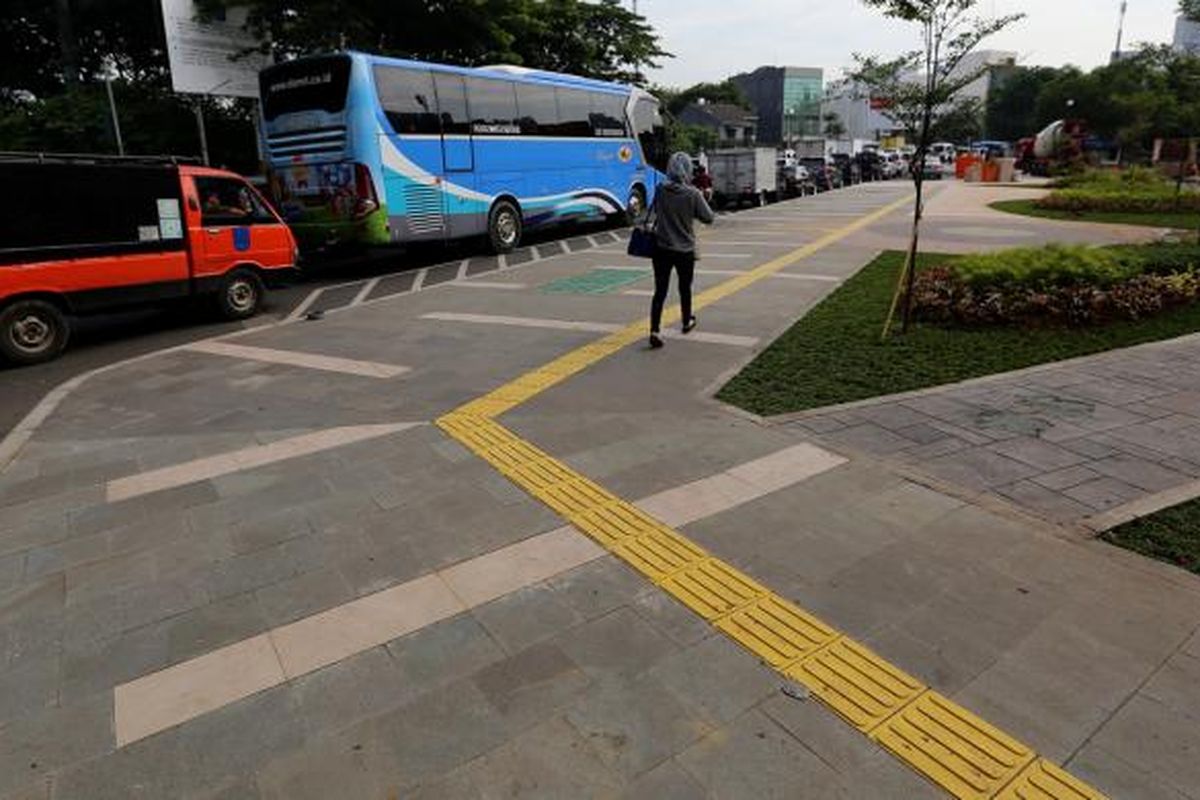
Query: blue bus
x,y
371,150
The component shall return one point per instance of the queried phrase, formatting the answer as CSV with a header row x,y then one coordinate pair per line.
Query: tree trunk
x,y
67,44
911,262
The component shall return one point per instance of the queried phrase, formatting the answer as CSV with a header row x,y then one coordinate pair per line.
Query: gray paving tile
x,y
716,679
28,688
978,468
670,618
667,781
339,695
444,652
1037,453
1065,478
302,596
1116,777
754,757
215,625
617,644
1052,504
870,438
633,725
598,587
1156,738
35,745
526,617
532,685
1143,474
1103,493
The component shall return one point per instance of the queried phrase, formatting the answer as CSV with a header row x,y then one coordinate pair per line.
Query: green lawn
x,y
1185,221
834,355
1171,535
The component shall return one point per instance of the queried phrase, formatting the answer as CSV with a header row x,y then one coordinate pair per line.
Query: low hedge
x,y
1059,285
1136,190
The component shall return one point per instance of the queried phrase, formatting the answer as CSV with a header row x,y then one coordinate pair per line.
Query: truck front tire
x,y
240,294
32,331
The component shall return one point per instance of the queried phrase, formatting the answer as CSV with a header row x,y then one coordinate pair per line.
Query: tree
x,y
1012,111
920,88
834,128
724,92
1190,9
594,39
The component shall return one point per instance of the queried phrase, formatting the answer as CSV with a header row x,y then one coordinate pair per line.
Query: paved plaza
x,y
356,557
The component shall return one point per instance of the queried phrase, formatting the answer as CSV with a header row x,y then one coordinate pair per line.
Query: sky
x,y
713,39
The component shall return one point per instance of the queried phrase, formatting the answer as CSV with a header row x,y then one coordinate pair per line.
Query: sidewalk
x,y
1067,442
259,571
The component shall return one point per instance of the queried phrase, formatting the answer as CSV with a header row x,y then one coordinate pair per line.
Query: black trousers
x,y
664,262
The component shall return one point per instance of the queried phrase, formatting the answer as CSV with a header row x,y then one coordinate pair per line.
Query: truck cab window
x,y
224,201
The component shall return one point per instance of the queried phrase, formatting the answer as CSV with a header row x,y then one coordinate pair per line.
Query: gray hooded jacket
x,y
676,204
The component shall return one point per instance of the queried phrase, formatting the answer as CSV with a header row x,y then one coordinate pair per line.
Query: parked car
x,y
870,165
84,234
848,167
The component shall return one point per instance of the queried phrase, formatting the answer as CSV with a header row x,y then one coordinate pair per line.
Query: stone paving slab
x,y
1066,442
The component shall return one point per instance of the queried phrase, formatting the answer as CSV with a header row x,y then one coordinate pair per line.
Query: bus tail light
x,y
364,191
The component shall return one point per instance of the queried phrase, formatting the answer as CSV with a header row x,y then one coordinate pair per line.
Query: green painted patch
x,y
597,281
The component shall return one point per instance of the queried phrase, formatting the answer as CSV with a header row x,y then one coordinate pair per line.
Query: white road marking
x,y
348,366
201,469
368,287
524,322
462,269
418,281
705,337
173,696
473,284
305,304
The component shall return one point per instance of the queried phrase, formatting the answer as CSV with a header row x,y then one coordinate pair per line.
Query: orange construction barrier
x,y
964,163
991,172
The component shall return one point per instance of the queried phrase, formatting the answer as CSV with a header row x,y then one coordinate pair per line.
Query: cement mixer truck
x,y
1056,147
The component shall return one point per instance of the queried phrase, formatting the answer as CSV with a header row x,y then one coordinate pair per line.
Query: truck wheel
x,y
240,294
32,331
504,226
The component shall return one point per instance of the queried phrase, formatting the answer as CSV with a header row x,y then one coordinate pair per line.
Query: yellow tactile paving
x,y
928,732
1044,780
956,749
856,683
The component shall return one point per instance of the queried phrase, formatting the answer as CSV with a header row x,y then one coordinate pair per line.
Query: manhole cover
x,y
596,281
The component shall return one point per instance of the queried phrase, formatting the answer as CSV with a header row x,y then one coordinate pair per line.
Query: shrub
x,y
1059,285
1138,190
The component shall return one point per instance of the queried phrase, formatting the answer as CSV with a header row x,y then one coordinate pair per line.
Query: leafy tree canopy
x,y
1190,9
724,92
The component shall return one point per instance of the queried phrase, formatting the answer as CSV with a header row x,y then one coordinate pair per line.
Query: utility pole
x,y
116,123
1120,31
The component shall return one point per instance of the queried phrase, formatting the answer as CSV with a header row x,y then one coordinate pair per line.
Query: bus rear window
x,y
309,84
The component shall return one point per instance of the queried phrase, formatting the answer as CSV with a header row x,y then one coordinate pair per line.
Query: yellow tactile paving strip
x,y
930,733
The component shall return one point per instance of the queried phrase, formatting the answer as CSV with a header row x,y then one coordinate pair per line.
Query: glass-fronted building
x,y
787,101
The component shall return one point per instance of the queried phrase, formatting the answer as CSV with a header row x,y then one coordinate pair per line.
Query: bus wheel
x,y
32,331
240,294
635,206
504,226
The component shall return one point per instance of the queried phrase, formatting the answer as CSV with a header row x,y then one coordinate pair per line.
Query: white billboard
x,y
202,54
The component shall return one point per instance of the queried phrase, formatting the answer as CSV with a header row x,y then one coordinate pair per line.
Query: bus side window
x,y
493,107
452,103
608,115
574,113
408,99
538,109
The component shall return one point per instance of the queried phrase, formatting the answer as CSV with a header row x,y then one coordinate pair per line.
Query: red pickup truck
x,y
83,234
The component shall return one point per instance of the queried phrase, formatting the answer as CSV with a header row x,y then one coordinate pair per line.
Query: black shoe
x,y
655,342
690,324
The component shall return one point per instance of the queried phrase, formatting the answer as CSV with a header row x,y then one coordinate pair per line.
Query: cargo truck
x,y
743,175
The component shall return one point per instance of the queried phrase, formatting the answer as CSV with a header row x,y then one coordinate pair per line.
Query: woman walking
x,y
676,204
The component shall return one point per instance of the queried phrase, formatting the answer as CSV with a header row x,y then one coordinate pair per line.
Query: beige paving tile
x,y
174,695
347,366
787,466
530,561
340,632
247,458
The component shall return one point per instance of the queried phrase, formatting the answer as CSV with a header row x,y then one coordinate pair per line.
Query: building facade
x,y
787,101
1187,36
733,125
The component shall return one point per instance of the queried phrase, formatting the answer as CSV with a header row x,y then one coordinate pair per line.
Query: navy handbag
x,y
642,242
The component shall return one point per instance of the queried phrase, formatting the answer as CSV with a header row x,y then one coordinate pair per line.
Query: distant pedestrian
x,y
676,204
703,181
